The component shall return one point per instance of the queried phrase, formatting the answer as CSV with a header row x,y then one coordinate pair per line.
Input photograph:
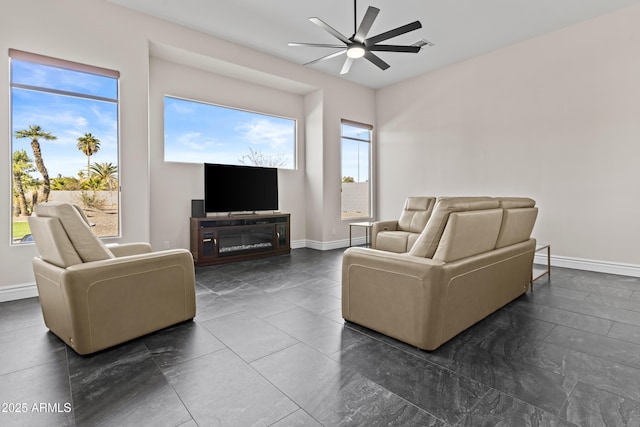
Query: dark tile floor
x,y
269,348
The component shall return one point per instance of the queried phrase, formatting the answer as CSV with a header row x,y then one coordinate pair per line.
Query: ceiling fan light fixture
x,y
355,51
360,45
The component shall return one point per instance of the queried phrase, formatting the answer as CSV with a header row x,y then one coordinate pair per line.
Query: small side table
x,y
367,232
537,273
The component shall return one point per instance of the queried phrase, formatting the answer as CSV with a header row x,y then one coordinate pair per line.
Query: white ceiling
x,y
459,29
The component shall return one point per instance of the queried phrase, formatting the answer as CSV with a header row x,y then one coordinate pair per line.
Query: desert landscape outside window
x,y
64,140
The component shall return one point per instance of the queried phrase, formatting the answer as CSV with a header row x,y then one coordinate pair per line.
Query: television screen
x,y
229,188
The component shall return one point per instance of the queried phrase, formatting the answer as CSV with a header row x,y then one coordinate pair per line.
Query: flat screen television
x,y
230,188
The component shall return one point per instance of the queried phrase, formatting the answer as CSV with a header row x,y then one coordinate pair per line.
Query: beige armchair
x,y
399,236
93,296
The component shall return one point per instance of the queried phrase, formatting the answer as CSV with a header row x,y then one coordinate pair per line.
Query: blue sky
x,y
196,132
66,117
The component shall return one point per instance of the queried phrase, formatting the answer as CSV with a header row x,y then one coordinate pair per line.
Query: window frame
x,y
38,59
294,152
369,128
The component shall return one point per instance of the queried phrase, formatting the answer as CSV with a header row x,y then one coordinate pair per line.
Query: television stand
x,y
223,239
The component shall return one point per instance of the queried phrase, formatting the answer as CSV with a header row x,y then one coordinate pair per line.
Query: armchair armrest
x,y
379,226
126,249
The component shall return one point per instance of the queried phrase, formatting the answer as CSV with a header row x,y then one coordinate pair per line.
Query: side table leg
x,y
350,228
549,263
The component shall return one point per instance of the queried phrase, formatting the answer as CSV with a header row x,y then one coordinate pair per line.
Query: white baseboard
x,y
15,292
589,265
334,244
297,244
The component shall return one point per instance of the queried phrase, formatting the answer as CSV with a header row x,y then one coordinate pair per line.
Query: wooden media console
x,y
218,240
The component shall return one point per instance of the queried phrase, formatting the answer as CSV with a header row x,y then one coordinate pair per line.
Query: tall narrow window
x,y
356,170
64,140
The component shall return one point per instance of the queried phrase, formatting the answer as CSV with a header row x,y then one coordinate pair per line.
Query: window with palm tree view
x,y
198,132
64,127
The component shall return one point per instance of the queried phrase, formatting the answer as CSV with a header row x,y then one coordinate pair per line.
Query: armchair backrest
x,y
416,213
63,236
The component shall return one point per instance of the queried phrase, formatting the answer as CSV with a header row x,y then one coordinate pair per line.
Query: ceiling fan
x,y
358,45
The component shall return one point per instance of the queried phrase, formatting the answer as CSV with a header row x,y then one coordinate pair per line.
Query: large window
x,y
356,170
64,140
197,132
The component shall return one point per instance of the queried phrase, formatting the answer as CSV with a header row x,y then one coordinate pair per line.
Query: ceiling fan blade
x,y
394,48
331,55
366,24
393,33
347,65
328,28
376,60
316,45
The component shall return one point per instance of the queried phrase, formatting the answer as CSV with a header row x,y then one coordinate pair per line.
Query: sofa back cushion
x,y
517,225
416,213
516,202
85,242
469,233
429,239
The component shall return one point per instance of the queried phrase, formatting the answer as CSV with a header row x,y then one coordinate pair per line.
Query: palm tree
x,y
35,132
107,172
89,145
21,166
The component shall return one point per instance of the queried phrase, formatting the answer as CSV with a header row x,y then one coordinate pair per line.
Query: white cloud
x,y
264,131
194,141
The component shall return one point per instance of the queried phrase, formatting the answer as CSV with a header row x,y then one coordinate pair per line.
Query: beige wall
x,y
556,118
155,57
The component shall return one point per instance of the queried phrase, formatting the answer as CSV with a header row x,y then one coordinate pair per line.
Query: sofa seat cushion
x,y
394,241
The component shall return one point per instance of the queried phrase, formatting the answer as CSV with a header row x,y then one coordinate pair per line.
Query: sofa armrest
x,y
126,249
379,226
398,295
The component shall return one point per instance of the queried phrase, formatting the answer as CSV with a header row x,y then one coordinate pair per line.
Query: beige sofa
x,y
473,257
399,236
93,296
